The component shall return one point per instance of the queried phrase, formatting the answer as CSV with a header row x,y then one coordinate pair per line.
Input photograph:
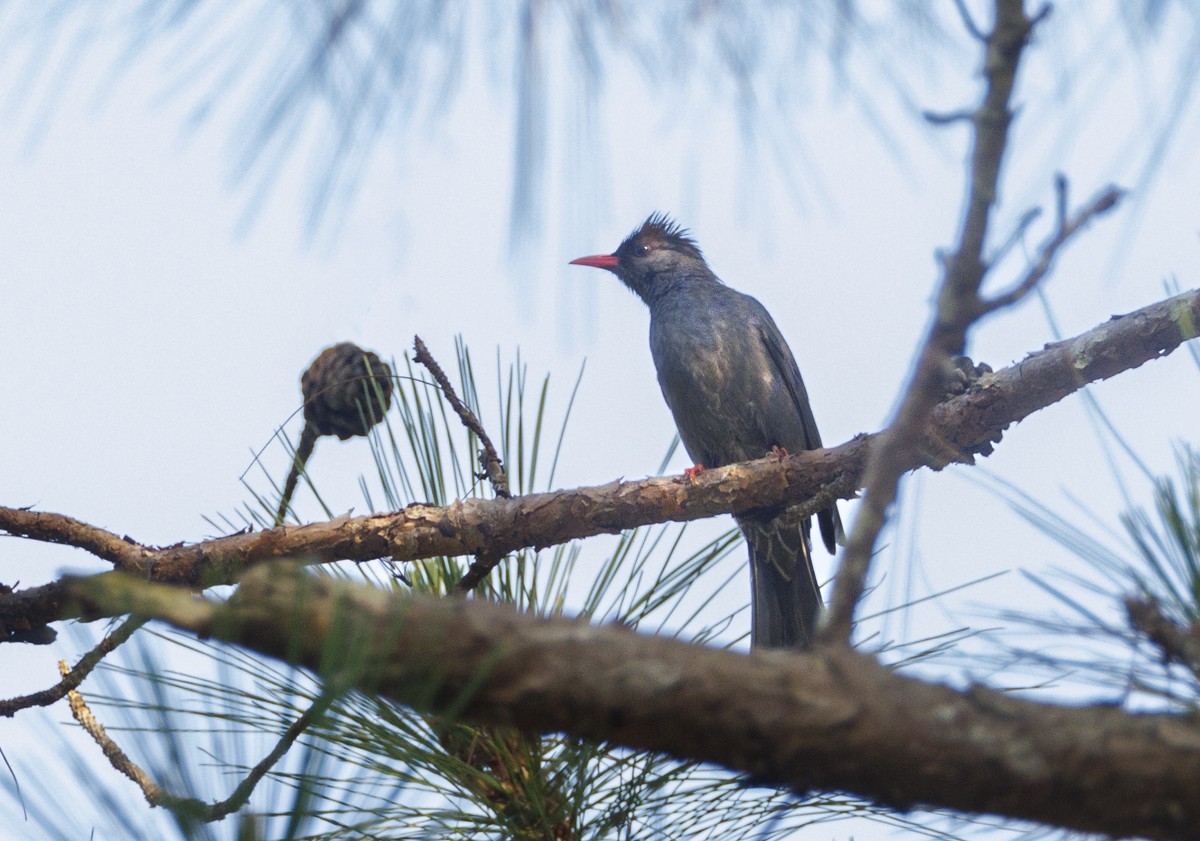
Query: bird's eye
x,y
643,249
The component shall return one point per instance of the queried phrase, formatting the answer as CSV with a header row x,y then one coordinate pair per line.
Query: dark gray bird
x,y
732,384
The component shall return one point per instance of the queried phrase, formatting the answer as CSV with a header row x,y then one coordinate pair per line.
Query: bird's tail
x,y
784,596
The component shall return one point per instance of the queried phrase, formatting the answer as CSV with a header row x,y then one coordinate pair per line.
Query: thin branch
x,y
73,677
492,466
946,118
1108,198
829,719
959,427
157,796
484,563
1027,218
1062,196
969,22
957,307
119,760
241,795
304,451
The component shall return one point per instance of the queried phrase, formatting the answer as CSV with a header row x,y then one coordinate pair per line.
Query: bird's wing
x,y
788,372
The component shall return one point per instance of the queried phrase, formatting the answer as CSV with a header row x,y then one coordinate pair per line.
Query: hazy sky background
x,y
155,315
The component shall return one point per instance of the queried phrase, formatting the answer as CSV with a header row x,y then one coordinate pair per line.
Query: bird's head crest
x,y
661,231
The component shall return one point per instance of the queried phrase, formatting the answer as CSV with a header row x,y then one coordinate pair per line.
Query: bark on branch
x,y
959,429
830,719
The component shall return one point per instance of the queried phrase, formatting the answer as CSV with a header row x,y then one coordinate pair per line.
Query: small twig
x,y
969,22
480,567
1176,643
397,572
308,442
155,795
945,118
1062,196
493,468
73,677
1104,202
1030,216
241,794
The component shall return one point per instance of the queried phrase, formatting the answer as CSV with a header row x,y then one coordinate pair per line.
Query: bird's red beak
x,y
599,261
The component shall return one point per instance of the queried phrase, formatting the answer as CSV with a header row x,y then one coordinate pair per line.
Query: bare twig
x,y
119,760
241,795
155,795
493,468
1101,204
1027,218
969,22
304,451
484,563
957,307
73,677
945,118
1062,198
959,427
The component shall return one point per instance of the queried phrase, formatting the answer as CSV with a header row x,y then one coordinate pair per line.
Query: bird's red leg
x,y
779,452
694,471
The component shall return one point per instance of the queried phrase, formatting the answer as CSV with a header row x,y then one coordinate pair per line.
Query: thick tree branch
x,y
830,719
958,428
122,552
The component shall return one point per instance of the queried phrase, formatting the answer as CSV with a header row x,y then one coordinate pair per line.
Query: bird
x,y
735,392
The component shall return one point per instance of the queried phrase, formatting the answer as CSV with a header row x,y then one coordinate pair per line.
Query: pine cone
x,y
339,380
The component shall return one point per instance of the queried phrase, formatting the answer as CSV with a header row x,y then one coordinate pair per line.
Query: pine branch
x,y
830,719
959,429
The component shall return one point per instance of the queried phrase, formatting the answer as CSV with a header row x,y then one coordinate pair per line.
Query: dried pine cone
x,y
340,379
343,386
